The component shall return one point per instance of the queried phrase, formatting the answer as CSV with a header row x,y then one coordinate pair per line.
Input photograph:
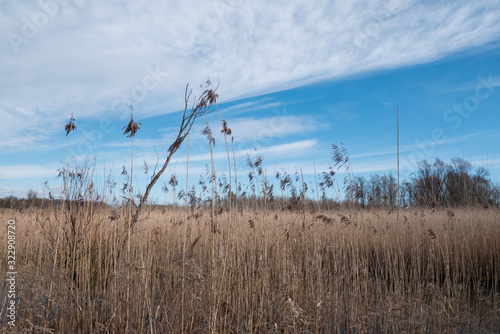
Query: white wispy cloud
x,y
94,57
251,106
286,149
424,144
28,171
114,160
489,81
278,126
7,191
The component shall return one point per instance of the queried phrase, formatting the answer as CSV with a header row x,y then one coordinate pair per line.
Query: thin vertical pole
x,y
399,198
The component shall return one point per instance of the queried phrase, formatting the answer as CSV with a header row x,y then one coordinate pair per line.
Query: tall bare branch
x,y
199,108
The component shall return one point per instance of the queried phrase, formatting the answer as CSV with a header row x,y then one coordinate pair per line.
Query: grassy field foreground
x,y
255,272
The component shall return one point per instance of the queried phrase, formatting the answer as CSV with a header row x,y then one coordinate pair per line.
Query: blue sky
x,y
295,78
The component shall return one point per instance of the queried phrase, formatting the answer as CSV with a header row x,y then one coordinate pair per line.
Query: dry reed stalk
x,y
227,132
130,130
213,180
184,239
235,176
316,183
69,127
264,181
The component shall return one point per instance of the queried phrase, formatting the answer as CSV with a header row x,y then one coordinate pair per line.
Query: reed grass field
x,y
256,271
223,257
250,167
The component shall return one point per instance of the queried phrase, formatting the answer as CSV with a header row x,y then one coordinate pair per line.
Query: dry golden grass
x,y
355,271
